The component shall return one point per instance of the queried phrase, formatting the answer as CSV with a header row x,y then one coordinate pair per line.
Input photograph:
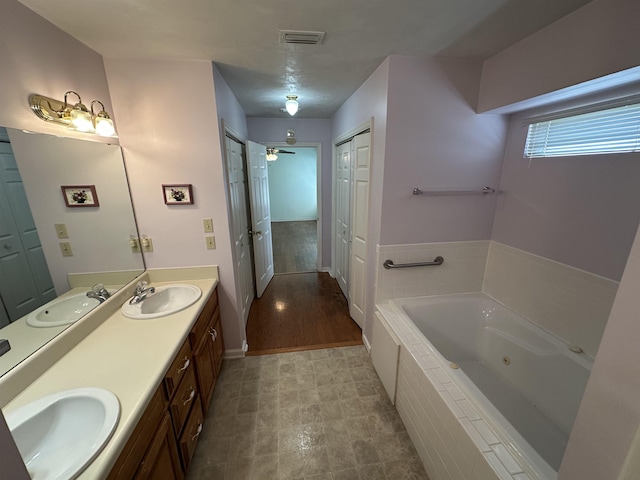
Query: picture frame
x,y
80,195
179,194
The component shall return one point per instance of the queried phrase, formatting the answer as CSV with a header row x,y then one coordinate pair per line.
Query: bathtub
x,y
524,383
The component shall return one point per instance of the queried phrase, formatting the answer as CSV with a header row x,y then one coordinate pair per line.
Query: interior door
x,y
25,282
361,159
241,222
260,215
343,203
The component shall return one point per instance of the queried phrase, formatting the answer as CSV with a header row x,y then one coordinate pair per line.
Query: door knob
x,y
257,232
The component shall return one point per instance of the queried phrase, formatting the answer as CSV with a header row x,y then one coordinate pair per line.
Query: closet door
x,y
343,213
361,159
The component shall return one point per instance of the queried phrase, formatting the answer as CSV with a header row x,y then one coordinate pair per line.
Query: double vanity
x,y
138,377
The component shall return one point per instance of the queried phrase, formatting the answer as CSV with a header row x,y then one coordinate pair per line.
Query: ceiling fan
x,y
272,151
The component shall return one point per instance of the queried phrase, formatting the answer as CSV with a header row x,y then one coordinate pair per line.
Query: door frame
x,y
229,131
349,134
318,147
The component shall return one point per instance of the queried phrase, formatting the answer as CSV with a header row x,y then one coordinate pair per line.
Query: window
x,y
598,129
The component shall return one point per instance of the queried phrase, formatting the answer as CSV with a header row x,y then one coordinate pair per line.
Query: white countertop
x,y
129,358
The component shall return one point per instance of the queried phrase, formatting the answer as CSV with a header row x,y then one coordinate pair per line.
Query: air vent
x,y
301,37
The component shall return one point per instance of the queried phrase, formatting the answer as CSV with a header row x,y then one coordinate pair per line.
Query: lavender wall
x,y
38,57
317,130
435,139
228,107
169,136
596,40
581,211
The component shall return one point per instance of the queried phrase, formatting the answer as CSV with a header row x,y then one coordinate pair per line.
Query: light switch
x,y
65,248
61,230
211,242
208,225
134,243
147,244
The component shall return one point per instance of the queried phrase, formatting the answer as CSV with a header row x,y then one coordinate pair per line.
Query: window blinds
x,y
610,130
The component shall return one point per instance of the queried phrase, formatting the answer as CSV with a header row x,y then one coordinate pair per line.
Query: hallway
x,y
300,311
295,246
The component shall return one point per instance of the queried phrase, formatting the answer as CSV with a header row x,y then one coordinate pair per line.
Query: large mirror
x,y
66,224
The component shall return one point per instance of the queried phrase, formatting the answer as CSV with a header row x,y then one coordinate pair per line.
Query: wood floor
x,y
300,311
295,246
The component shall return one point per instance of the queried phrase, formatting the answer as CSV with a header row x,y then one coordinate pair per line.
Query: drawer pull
x,y
213,333
192,394
198,432
185,365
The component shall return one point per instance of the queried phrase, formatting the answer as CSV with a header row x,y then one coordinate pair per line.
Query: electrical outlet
x,y
208,225
65,248
134,243
211,242
147,244
61,230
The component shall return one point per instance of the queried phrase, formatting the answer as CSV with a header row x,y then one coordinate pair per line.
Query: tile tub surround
x,y
572,304
462,270
319,414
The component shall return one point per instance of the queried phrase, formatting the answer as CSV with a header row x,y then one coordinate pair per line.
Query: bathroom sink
x,y
62,311
60,434
165,301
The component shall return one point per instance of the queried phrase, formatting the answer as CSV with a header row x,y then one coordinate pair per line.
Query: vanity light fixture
x,y
291,104
75,117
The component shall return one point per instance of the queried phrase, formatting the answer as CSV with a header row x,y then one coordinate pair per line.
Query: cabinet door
x,y
218,343
205,370
161,462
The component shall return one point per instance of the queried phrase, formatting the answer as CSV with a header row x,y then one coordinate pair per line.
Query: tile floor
x,y
318,414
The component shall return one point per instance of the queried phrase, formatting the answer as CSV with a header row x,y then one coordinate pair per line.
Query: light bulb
x,y
104,126
81,118
291,104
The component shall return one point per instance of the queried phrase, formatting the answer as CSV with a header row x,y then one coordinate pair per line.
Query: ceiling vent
x,y
300,37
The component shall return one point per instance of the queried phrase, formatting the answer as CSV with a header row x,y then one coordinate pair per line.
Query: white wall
x,y
599,39
293,186
311,130
435,139
170,136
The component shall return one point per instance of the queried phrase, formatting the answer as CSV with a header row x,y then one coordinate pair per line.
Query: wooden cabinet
x,y
162,444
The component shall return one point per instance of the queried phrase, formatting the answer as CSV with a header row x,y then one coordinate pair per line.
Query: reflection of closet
x,y
25,282
353,162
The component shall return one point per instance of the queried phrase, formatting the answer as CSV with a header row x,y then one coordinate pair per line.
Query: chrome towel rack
x,y
486,190
436,261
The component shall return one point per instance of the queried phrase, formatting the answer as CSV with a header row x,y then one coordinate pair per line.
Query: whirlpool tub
x,y
514,387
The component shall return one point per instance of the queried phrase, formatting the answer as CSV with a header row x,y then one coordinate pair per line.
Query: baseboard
x,y
237,352
366,342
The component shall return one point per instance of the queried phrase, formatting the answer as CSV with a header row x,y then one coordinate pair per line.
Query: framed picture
x,y
178,194
80,195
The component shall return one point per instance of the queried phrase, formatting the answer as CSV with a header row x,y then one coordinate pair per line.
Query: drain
x,y
506,360
454,365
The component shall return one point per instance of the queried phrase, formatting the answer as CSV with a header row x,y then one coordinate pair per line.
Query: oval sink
x,y
62,311
59,435
165,301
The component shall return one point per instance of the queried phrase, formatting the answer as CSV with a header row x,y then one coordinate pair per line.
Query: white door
x,y
241,223
361,160
343,204
260,215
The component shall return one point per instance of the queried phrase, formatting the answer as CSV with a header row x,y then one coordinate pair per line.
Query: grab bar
x,y
436,261
475,191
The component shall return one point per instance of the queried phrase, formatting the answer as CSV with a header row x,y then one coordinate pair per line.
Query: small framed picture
x,y
178,194
80,195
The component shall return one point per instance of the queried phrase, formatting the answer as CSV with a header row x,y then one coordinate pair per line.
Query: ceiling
x,y
241,37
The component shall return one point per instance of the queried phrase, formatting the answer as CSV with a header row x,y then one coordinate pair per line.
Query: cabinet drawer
x,y
191,434
202,324
185,397
178,369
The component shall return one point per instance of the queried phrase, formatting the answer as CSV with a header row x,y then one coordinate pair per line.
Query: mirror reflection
x,y
66,230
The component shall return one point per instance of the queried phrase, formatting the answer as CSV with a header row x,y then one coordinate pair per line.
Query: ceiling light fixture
x,y
75,117
291,104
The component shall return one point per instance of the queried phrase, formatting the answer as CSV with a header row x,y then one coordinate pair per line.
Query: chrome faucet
x,y
141,292
98,292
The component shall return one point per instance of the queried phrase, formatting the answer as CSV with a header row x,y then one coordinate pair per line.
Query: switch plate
x,y
61,230
134,243
208,225
211,242
147,244
65,248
